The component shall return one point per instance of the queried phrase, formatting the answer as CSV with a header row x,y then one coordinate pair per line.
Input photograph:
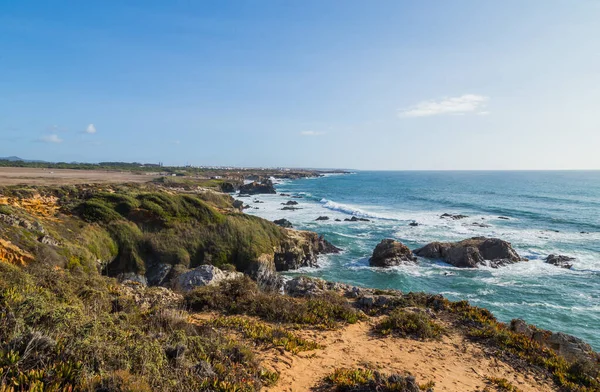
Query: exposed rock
x,y
297,197
147,297
453,216
283,223
389,253
255,188
472,252
560,261
570,347
46,239
158,273
203,275
227,187
258,201
132,277
245,207
322,218
301,250
238,204
304,286
263,272
479,224
504,217
338,220
413,224
356,219
290,203
284,194
287,208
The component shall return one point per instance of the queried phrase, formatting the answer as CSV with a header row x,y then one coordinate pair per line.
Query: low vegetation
x,y
404,323
359,380
264,334
502,384
243,296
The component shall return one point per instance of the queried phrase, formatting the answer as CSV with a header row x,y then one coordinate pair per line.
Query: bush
x,y
365,380
243,296
409,324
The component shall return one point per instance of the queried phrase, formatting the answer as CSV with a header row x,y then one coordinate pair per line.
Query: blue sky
x,y
356,84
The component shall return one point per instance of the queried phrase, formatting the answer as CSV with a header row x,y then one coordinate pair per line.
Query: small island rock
x,y
390,253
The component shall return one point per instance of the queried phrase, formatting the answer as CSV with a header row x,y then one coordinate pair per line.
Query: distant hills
x,y
17,159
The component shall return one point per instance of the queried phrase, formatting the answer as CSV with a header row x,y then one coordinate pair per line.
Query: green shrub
x,y
364,380
243,296
96,210
409,324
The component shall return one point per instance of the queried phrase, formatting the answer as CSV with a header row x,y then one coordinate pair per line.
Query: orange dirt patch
x,y
12,254
42,206
453,363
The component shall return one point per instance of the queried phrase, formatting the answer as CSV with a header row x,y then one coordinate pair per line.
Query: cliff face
x,y
147,233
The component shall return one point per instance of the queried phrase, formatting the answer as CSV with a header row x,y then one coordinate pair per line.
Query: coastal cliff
x,y
146,287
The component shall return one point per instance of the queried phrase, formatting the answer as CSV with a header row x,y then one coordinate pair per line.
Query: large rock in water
x,y
389,253
255,188
560,261
204,275
472,252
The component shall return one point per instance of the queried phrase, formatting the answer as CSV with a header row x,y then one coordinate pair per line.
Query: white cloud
x,y
311,133
464,104
51,139
91,129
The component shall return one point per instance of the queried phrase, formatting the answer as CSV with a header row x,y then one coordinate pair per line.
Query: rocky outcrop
x,y
227,187
289,208
290,203
356,219
454,216
304,286
283,223
389,253
254,188
560,261
413,224
570,347
148,297
238,204
301,249
203,275
472,252
322,218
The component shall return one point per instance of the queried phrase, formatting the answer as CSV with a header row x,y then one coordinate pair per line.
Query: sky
x,y
374,85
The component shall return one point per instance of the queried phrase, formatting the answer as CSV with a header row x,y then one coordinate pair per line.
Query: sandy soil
x,y
18,175
454,364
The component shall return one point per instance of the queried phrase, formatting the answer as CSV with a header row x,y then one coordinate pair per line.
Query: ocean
x,y
549,212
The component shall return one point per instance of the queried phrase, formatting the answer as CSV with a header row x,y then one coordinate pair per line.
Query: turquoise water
x,y
548,212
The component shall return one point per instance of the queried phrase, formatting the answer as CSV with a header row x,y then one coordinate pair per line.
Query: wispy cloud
x,y
91,129
468,103
311,133
50,139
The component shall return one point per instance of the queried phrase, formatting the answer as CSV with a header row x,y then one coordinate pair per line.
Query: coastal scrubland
x,y
89,301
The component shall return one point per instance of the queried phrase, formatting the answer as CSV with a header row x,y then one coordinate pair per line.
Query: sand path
x,y
453,363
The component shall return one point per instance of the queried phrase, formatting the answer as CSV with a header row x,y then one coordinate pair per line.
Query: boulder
x,y
238,204
204,275
390,253
472,252
413,224
338,220
290,203
322,218
288,208
283,223
453,216
560,261
254,188
355,219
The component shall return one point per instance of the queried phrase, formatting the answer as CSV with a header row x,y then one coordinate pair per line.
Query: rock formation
x,y
390,253
560,261
203,275
255,188
472,252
